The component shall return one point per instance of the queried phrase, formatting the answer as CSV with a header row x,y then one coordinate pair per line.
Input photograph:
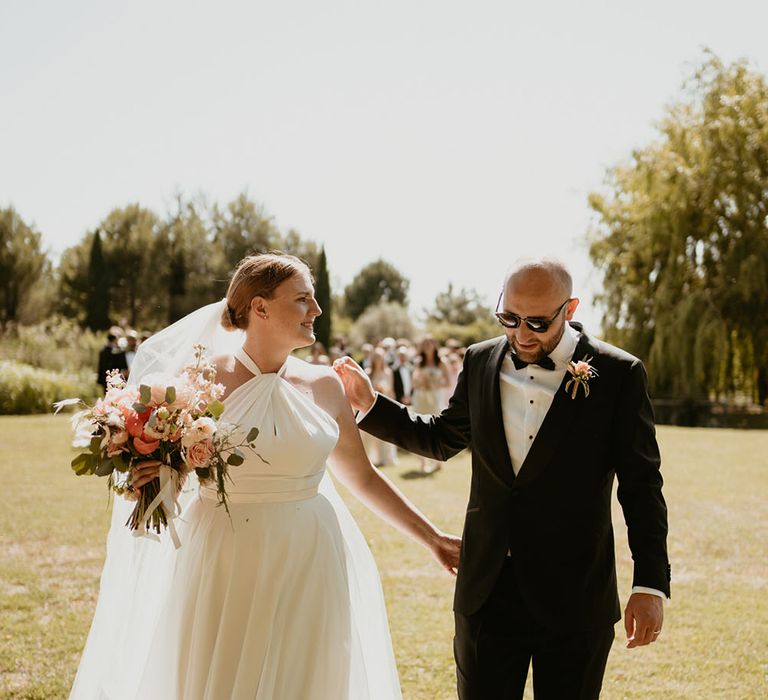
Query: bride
x,y
283,600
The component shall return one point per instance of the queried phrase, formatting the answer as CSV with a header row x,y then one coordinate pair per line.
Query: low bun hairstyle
x,y
256,276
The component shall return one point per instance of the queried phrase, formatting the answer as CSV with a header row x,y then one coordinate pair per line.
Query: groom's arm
x,y
434,436
638,472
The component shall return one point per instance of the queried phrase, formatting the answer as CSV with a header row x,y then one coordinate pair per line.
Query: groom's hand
x,y
643,618
357,385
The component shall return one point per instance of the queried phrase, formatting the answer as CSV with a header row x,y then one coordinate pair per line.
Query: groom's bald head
x,y
546,276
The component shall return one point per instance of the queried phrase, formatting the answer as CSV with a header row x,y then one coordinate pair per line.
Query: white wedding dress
x,y
282,602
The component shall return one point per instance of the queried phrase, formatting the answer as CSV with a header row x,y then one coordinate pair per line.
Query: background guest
x,y
430,378
131,345
402,371
111,356
379,452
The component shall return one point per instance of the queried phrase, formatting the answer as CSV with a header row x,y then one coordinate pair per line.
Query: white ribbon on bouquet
x,y
166,498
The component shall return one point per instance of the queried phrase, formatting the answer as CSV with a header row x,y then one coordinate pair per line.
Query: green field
x,y
715,640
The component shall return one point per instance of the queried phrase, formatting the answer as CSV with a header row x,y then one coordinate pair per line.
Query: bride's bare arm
x,y
351,466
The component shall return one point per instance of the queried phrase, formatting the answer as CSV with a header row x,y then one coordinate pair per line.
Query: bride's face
x,y
292,310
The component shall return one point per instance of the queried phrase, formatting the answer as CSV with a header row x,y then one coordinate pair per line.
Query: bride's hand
x,y
143,473
446,549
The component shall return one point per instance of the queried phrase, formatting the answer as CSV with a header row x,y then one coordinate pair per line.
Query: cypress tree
x,y
177,285
323,296
97,302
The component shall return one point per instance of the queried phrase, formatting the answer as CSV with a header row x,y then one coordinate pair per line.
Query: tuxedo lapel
x,y
494,418
556,425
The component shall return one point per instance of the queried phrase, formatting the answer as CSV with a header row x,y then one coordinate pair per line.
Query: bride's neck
x,y
267,356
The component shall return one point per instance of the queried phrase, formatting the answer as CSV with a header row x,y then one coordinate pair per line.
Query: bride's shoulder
x,y
224,364
318,376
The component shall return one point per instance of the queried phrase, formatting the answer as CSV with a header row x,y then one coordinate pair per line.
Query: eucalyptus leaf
x,y
170,394
203,472
84,466
253,433
120,462
80,459
95,446
216,408
104,467
145,393
235,460
139,407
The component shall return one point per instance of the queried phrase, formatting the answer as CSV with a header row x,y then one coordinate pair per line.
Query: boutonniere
x,y
581,372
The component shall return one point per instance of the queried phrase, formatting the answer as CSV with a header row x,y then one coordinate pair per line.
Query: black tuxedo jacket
x,y
555,515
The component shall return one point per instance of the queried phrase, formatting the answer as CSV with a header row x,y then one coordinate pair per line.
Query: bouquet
x,y
175,420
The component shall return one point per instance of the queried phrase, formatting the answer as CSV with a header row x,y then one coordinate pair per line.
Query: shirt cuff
x,y
362,414
650,591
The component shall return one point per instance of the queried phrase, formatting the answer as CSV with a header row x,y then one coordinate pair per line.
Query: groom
x,y
537,579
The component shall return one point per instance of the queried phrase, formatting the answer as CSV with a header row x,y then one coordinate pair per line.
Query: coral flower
x,y
145,448
134,423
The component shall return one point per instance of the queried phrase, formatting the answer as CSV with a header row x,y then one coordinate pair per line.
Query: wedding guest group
x,y
419,373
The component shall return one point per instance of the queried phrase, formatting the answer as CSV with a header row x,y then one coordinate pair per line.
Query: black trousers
x,y
494,648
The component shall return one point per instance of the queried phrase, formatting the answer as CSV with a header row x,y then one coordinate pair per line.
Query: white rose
x,y
200,429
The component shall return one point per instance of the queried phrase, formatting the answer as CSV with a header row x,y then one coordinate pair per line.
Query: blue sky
x,y
449,138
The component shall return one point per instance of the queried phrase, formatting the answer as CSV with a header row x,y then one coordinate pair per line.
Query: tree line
x,y
144,270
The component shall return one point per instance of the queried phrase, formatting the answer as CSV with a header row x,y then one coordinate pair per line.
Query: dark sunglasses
x,y
537,325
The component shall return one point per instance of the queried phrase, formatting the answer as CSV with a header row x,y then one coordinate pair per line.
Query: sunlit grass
x,y
714,645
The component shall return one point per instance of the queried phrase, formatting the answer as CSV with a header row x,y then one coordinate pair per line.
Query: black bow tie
x,y
545,362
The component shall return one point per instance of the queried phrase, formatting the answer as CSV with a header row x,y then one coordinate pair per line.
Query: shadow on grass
x,y
417,474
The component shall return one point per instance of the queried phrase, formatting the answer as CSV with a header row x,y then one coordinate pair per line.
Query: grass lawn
x,y
715,640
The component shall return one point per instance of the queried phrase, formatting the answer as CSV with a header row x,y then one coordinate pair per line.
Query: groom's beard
x,y
544,349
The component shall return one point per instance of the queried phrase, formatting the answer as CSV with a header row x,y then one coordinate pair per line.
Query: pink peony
x,y
145,448
199,454
582,367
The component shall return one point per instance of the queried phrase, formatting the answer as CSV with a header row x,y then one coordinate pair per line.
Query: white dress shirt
x,y
527,393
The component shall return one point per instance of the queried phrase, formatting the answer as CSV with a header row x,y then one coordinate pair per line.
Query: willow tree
x,y
681,238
